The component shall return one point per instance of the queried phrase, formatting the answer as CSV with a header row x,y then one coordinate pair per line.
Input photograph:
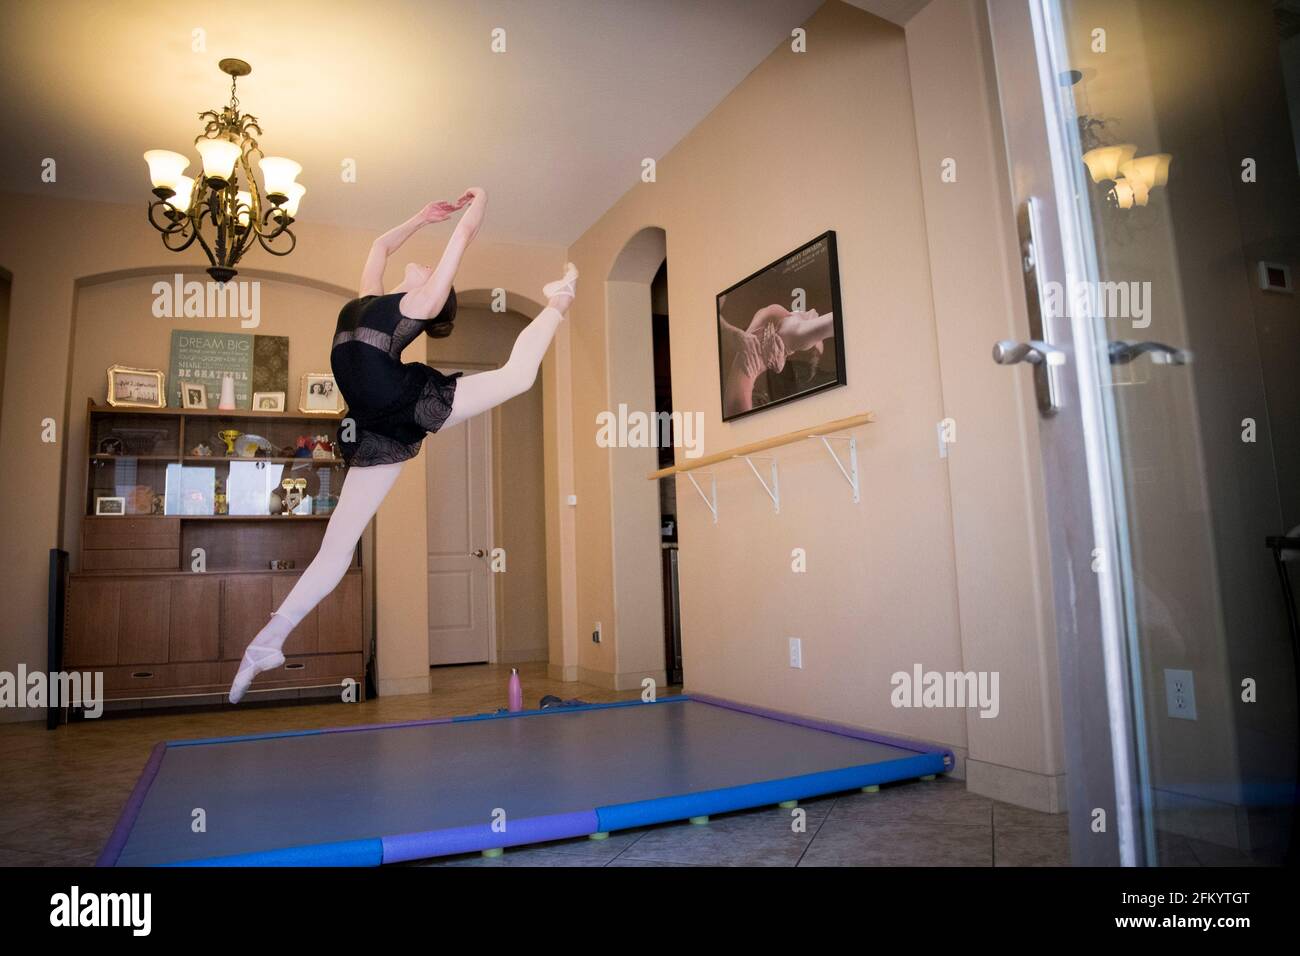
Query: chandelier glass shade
x,y
222,209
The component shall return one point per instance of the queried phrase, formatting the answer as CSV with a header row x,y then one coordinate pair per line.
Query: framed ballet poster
x,y
780,331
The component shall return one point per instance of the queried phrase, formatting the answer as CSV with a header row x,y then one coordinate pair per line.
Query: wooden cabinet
x,y
157,635
246,607
194,631
93,623
139,608
334,633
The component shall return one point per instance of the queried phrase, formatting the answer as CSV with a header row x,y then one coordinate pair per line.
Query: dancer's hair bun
x,y
440,325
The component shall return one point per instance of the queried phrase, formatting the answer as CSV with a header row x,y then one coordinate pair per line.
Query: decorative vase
x,y
227,392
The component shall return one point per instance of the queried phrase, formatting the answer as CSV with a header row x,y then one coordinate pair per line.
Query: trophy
x,y
228,436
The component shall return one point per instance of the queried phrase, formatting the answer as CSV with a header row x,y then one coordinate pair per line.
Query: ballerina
x,y
392,404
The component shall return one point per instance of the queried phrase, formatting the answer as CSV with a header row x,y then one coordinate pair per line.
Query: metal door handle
x,y
1045,359
1121,353
478,552
1034,352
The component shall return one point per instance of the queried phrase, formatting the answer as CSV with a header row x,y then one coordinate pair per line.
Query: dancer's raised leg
x,y
478,393
363,490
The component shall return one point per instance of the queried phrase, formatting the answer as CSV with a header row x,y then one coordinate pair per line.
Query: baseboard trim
x,y
562,672
1223,824
1024,788
396,686
628,680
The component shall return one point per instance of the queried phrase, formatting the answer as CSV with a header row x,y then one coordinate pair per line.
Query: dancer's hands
x,y
438,210
475,194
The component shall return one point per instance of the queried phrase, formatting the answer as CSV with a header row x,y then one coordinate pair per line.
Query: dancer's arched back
x,y
392,404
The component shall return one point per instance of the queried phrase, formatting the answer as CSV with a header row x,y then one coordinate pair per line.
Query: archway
x,y
637,555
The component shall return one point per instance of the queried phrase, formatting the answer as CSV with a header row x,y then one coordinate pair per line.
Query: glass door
x,y
1154,168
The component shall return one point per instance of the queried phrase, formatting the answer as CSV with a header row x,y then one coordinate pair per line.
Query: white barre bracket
x,y
851,473
773,490
711,499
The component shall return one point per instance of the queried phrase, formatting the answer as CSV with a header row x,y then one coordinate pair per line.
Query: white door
x,y
460,528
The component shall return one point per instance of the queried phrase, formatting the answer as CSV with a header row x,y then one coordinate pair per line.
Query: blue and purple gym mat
x,y
388,793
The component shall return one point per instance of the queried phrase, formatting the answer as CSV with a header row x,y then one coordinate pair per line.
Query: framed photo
x,y
193,395
110,506
135,387
318,394
781,331
268,401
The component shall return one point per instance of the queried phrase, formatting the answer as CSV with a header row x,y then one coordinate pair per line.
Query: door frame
x,y
489,430
1087,542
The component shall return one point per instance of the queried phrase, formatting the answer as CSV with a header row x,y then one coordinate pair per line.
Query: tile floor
x,y
62,791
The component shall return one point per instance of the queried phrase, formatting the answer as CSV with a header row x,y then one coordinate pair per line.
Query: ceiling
x,y
554,129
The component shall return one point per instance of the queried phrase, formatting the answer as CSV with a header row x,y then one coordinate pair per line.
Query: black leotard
x,y
393,404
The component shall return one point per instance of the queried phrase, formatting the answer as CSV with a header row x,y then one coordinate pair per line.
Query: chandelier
x,y
233,216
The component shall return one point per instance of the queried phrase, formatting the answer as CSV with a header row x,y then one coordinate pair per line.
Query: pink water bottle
x,y
516,691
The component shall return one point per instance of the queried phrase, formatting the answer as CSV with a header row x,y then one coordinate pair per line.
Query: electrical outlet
x,y
796,652
1180,694
595,635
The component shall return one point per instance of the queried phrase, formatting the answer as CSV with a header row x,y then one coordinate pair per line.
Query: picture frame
x,y
130,387
319,394
268,401
109,505
193,394
781,331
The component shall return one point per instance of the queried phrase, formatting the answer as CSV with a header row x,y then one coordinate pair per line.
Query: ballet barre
x,y
823,432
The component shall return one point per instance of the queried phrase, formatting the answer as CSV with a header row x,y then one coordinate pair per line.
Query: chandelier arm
x,y
189,241
174,224
282,222
266,243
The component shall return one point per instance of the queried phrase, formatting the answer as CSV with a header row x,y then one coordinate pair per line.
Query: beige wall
x,y
999,529
483,339
940,563
56,250
807,142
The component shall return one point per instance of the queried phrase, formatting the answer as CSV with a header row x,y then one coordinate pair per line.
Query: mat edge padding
x,y
398,848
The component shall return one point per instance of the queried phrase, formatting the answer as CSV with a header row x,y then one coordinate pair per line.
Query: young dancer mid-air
x,y
393,404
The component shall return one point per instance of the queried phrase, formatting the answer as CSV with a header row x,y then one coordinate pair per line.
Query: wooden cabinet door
x,y
246,607
143,619
302,639
338,625
92,623
195,633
